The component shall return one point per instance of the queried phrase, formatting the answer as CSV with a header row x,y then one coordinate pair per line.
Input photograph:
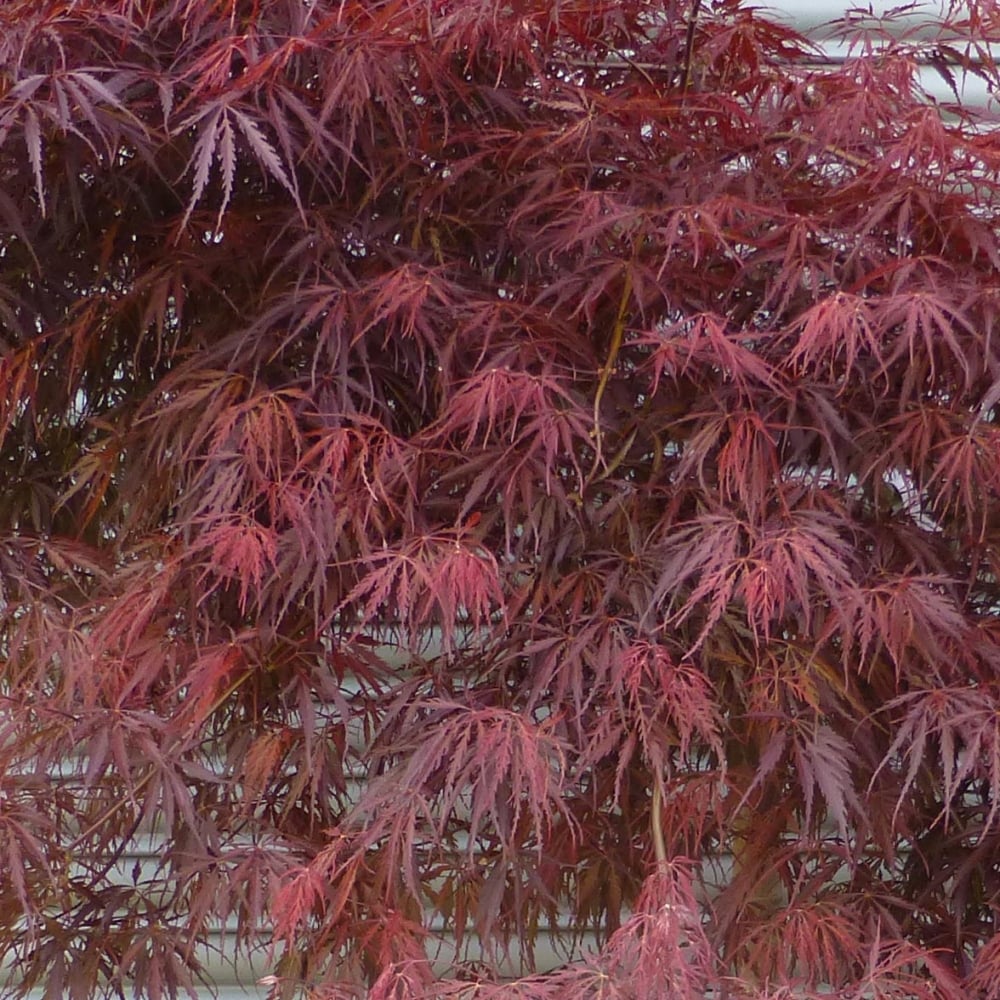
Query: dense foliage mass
x,y
477,468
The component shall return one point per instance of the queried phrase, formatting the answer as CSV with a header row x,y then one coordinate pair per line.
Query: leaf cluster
x,y
495,476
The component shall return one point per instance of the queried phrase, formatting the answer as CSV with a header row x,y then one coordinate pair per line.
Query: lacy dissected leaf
x,y
492,485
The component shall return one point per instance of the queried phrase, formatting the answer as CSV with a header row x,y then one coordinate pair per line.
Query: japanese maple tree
x,y
480,475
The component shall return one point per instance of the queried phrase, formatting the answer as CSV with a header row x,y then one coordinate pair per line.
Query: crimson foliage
x,y
473,468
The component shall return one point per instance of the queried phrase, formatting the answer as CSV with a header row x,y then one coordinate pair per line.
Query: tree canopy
x,y
478,468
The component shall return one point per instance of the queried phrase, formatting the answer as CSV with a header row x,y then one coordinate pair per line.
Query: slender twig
x,y
659,844
689,46
609,366
841,154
